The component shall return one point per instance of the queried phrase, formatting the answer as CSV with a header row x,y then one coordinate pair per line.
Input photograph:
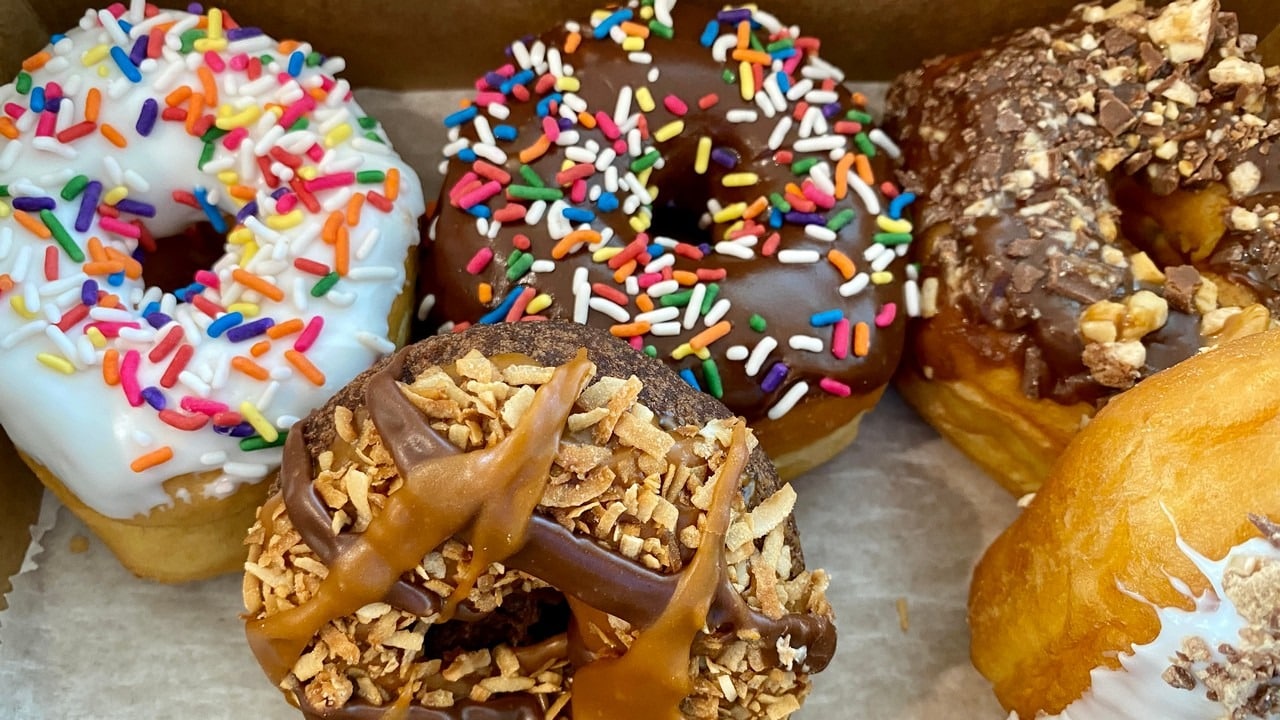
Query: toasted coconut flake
x,y
311,566
475,366
460,435
766,587
357,485
340,646
782,707
582,459
405,640
599,394
630,546
643,436
438,699
506,660
609,518
343,424
497,685
516,405
581,421
572,494
772,551
372,611
527,374
773,511
619,403
268,576
310,665
465,664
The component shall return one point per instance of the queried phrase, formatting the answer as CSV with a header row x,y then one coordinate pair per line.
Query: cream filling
x,y
1138,688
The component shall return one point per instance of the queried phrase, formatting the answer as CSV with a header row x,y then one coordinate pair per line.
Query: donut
x,y
699,183
202,237
1143,579
532,521
1102,204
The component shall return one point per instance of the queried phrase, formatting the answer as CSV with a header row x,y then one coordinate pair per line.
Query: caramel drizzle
x,y
493,491
651,679
399,710
593,577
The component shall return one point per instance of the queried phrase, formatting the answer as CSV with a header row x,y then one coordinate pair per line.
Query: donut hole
x,y
523,619
1183,227
681,223
176,258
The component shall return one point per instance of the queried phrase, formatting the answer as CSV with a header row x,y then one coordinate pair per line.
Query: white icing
x,y
1137,688
86,432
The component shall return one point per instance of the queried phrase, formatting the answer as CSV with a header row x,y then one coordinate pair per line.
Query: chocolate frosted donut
x,y
1102,203
504,523
699,183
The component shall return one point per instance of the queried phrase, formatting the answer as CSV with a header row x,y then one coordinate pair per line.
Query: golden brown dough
x,y
1195,445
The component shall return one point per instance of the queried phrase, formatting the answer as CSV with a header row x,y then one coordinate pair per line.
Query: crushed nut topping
x,y
618,478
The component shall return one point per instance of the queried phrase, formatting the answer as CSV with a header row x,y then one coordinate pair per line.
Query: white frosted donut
x,y
136,125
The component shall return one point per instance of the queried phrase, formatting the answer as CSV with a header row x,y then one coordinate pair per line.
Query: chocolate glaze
x,y
587,571
1012,250
785,295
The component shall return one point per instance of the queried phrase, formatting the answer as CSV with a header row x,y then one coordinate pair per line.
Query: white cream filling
x,y
1137,689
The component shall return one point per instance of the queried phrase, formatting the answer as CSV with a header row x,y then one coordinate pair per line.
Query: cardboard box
x,y
398,44
19,503
415,46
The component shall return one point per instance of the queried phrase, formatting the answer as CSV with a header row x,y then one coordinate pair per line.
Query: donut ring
x,y
133,126
577,174
1139,546
1105,199
533,567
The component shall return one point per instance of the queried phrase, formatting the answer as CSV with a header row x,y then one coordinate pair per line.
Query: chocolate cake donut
x,y
504,523
1098,201
700,183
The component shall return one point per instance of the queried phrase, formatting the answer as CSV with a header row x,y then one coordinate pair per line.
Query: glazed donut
x,y
493,522
152,376
700,184
1103,204
1136,584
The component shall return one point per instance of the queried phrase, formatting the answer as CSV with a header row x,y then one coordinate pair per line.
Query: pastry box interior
x,y
898,519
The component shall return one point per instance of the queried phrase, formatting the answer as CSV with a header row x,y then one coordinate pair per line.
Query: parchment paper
x,y
900,515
